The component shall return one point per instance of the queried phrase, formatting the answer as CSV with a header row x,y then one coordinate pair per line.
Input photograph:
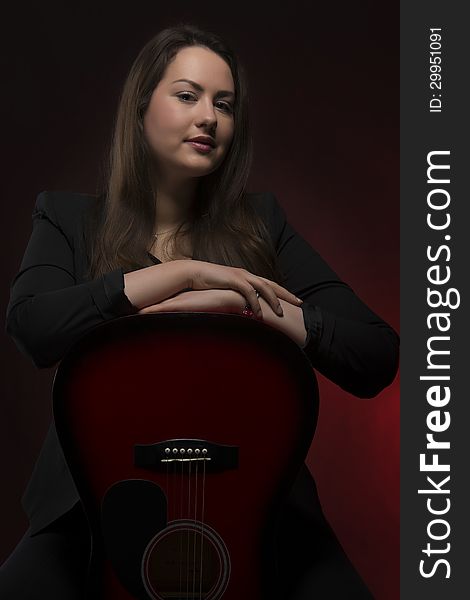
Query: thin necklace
x,y
167,231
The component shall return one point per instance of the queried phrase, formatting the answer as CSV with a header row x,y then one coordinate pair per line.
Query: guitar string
x,y
189,531
181,530
167,491
168,503
202,522
195,530
195,520
170,489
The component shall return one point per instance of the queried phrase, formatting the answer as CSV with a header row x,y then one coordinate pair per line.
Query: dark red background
x,y
325,106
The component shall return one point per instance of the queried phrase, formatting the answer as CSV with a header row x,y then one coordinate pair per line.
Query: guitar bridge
x,y
215,457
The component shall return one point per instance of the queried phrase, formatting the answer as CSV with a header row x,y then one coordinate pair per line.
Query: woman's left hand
x,y
212,300
231,301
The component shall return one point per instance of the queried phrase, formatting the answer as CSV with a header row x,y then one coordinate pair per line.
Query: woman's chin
x,y
193,170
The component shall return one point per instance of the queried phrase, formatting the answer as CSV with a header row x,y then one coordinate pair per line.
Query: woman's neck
x,y
173,201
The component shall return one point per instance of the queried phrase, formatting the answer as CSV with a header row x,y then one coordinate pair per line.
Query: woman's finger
x,y
149,309
251,298
276,291
160,307
267,292
287,295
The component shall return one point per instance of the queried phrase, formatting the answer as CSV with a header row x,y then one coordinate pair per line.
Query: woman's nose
x,y
206,113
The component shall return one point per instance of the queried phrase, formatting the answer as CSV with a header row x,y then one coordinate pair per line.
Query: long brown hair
x,y
223,226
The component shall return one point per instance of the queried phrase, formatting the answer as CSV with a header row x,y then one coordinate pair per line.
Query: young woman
x,y
176,230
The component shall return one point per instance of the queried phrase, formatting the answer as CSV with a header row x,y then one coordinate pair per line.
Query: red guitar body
x,y
184,433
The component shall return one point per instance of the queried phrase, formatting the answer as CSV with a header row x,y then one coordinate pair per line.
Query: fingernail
x,y
299,300
280,311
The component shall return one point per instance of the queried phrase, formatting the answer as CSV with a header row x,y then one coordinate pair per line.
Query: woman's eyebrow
x,y
200,88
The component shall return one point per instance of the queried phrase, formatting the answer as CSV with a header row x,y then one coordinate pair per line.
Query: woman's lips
x,y
200,147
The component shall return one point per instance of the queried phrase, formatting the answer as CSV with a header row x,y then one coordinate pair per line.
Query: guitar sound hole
x,y
187,560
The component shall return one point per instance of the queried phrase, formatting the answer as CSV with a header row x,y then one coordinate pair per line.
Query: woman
x,y
175,230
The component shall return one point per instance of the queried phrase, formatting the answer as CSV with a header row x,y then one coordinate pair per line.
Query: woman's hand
x,y
207,275
229,301
226,301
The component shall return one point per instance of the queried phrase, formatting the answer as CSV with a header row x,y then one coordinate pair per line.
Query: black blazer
x,y
52,305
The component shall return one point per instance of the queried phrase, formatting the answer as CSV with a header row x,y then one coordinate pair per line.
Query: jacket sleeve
x,y
346,341
48,311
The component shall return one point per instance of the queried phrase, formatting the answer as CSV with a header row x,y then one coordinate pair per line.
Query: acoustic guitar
x,y
184,433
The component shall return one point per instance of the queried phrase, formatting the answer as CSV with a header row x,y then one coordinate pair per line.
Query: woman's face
x,y
179,110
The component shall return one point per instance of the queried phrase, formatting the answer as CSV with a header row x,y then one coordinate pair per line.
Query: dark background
x,y
324,88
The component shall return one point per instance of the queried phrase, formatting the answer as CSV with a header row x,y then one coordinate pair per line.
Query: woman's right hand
x,y
206,275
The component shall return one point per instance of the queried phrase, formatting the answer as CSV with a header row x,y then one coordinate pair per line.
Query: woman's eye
x,y
225,105
184,94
